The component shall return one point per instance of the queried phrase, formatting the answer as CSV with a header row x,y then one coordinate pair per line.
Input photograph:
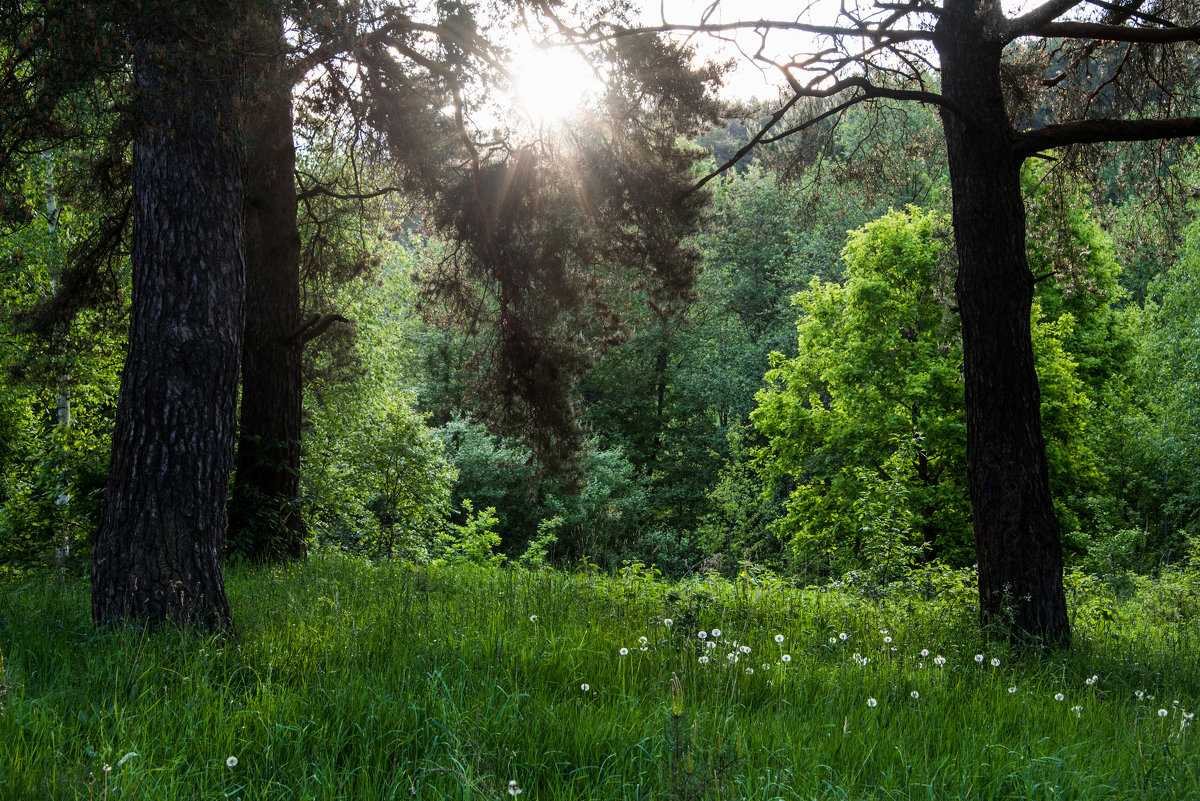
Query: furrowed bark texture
x,y
158,551
1016,530
264,520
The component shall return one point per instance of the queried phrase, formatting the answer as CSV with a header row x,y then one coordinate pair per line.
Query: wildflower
x,y
1012,690
704,660
995,661
624,652
978,657
710,644
533,618
778,638
766,666
842,636
1139,694
883,631
513,789
643,640
1162,713
786,657
702,634
107,767
1058,696
716,632
915,694
1092,680
833,640
745,649
939,660
749,671
584,687
871,702
1076,710
732,657
924,652
668,622
887,639
231,762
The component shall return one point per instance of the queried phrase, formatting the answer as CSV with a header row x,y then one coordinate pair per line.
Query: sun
x,y
550,84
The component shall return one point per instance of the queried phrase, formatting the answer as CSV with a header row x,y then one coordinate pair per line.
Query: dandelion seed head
x,y
231,762
702,634
833,640
778,638
843,636
871,702
786,657
924,652
624,651
978,657
584,687
716,632
1162,713
939,660
745,649
749,671
704,660
1012,690
1058,696
643,640
915,694
533,618
995,661
668,622
513,789
887,639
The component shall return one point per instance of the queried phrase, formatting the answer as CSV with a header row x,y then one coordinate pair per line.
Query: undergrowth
x,y
356,680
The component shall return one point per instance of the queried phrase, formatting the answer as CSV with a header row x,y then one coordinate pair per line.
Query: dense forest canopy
x,y
907,318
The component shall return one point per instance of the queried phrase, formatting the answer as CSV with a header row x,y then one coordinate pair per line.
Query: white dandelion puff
x,y
716,632
584,687
230,763
871,702
624,652
778,638
915,694
702,634
978,657
1058,696
1012,690
995,661
786,657
1162,713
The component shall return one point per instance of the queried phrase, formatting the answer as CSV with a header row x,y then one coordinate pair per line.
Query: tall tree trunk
x,y
1016,530
158,551
264,521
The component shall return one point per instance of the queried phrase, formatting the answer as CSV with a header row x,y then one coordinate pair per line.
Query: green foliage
x,y
877,372
474,541
373,477
57,389
865,425
534,557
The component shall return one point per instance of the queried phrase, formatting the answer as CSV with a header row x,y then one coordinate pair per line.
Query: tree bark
x,y
264,519
1016,530
158,551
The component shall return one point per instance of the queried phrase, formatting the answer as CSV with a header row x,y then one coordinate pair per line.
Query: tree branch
x,y
1116,33
1026,24
313,327
1080,132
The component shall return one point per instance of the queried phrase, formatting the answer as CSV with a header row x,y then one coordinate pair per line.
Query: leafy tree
x,y
871,52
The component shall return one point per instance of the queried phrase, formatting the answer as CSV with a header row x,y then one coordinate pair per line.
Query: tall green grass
x,y
352,680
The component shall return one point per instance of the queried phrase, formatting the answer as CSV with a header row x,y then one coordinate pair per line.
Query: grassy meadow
x,y
355,680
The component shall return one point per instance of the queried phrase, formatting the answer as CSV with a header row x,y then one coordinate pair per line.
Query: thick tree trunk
x,y
158,551
1016,529
264,521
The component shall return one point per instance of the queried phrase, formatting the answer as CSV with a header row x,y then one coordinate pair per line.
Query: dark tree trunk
x,y
264,521
1016,529
158,551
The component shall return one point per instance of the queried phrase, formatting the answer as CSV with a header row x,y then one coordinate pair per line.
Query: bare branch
x,y
1047,12
1094,131
1115,33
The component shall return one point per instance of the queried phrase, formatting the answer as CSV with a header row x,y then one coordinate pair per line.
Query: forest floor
x,y
355,680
